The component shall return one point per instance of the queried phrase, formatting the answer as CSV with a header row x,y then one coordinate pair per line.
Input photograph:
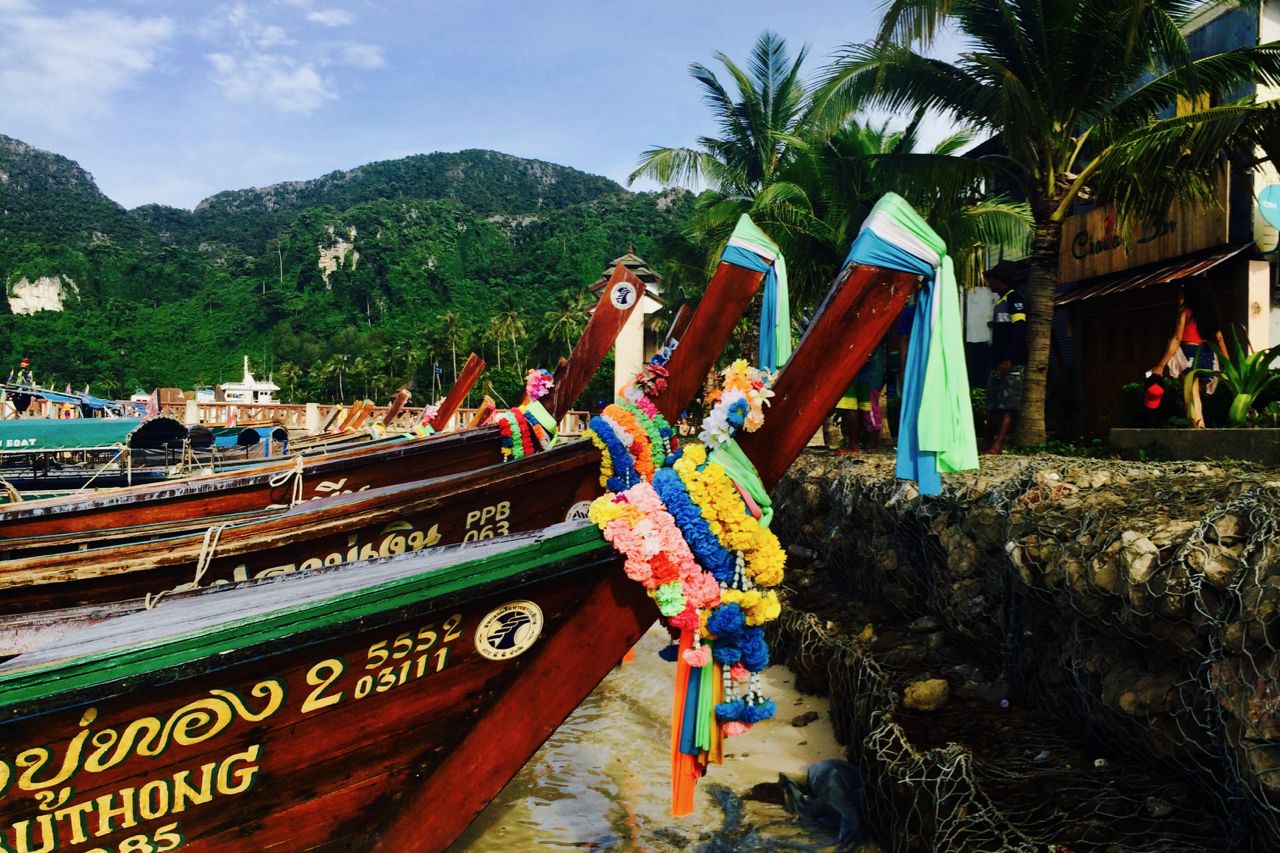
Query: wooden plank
x,y
619,299
398,403
462,386
482,413
851,322
680,324
728,294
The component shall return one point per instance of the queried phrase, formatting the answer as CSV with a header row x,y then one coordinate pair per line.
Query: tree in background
x,y
451,324
808,171
1075,90
745,167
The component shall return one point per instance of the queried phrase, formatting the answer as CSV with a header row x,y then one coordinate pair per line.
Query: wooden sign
x,y
1094,244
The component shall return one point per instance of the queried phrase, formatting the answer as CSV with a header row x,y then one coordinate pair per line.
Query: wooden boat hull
x,y
188,504
240,718
46,596
385,717
60,524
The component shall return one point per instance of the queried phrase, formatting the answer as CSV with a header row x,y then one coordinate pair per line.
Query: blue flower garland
x,y
624,468
704,544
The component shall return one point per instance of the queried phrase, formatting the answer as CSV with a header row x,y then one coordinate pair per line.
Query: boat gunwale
x,y
38,682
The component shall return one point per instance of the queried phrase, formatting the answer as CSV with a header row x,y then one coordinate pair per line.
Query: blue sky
x,y
172,100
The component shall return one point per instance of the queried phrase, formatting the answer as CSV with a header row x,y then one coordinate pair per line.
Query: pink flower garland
x,y
637,524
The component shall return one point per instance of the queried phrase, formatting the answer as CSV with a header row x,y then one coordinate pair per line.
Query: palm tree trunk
x,y
1043,281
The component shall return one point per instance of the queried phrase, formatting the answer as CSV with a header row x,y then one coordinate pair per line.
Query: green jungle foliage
x,y
448,253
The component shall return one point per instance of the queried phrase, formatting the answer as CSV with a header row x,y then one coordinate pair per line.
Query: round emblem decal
x,y
509,631
578,512
623,295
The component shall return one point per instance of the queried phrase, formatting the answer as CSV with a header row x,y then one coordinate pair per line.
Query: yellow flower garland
x,y
721,505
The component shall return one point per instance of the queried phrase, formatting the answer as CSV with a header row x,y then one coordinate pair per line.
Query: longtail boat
x,y
184,503
375,705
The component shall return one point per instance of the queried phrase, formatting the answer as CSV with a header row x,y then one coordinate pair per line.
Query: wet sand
x,y
602,782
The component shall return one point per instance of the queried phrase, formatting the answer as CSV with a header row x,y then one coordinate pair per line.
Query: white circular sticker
x,y
578,512
623,295
509,631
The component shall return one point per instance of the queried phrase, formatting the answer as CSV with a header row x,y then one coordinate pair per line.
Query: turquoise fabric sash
x,y
749,247
935,429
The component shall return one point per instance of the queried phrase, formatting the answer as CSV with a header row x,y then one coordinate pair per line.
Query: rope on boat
x,y
207,549
13,495
283,477
85,487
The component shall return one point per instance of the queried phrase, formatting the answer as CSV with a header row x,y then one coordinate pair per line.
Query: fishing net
x,y
1107,632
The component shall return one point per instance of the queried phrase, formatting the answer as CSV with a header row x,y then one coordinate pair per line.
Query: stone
x,y
802,720
1226,529
1140,557
1103,572
928,694
45,293
1218,563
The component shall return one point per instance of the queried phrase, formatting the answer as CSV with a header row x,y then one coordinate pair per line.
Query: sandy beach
x,y
602,780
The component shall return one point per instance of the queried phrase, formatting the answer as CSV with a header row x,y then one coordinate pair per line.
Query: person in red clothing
x,y
1195,333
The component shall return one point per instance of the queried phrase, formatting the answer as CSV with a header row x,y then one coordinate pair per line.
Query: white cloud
x,y
238,23
61,68
331,17
363,56
280,81
255,58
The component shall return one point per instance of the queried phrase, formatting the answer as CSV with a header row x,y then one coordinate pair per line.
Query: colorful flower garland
x,y
519,435
537,383
738,405
694,539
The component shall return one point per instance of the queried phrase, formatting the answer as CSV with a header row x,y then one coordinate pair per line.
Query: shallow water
x,y
602,781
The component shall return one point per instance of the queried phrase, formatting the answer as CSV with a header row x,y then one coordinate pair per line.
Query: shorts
x,y
1201,356
861,396
1005,395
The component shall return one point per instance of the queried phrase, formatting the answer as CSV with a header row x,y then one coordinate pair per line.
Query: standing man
x,y
1008,354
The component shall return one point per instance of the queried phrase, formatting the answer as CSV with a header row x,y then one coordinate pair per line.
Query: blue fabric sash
x,y
768,355
913,463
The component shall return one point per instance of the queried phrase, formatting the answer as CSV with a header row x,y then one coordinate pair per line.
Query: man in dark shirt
x,y
1008,355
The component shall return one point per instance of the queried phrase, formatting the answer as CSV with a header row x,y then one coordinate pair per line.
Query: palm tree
x,y
497,330
1075,91
808,174
452,324
509,323
289,375
568,318
744,169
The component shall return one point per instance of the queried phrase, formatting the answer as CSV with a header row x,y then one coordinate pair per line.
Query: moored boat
x,y
45,595
185,502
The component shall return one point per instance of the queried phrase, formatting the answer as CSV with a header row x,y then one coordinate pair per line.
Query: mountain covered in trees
x,y
346,285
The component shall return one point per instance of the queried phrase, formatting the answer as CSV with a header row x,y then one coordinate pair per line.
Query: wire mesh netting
x,y
1107,633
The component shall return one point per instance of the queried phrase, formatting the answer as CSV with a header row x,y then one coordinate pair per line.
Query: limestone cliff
x,y
44,293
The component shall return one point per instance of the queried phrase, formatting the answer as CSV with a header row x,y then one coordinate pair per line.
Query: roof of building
x,y
641,270
1160,273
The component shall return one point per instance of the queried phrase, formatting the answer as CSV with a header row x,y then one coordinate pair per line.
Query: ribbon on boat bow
x,y
935,429
751,248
